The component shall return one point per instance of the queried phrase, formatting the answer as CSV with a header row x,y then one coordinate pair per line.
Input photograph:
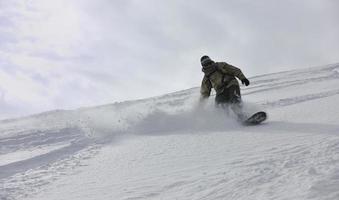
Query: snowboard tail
x,y
256,118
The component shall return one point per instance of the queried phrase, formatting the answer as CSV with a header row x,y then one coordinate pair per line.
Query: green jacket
x,y
222,78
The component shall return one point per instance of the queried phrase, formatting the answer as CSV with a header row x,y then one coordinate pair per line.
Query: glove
x,y
245,81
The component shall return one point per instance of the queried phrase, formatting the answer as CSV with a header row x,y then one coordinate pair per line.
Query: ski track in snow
x,y
164,148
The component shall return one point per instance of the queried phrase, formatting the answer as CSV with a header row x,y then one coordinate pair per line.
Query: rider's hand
x,y
245,82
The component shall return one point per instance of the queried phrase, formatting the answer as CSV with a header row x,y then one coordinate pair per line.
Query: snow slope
x,y
170,147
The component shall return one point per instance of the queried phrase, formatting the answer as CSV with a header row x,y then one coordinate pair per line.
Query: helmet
x,y
205,60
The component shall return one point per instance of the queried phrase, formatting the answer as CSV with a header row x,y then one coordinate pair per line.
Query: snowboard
x,y
255,119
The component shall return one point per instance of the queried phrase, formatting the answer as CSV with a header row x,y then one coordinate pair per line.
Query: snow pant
x,y
229,95
230,98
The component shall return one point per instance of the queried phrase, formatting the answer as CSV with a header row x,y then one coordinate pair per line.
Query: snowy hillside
x,y
169,147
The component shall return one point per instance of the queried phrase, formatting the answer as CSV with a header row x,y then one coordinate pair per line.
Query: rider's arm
x,y
232,70
205,89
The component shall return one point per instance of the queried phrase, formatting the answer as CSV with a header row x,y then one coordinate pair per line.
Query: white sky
x,y
67,54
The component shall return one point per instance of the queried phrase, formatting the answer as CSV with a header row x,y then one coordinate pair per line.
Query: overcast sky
x,y
67,54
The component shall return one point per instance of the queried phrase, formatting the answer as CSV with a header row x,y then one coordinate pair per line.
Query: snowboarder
x,y
222,77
